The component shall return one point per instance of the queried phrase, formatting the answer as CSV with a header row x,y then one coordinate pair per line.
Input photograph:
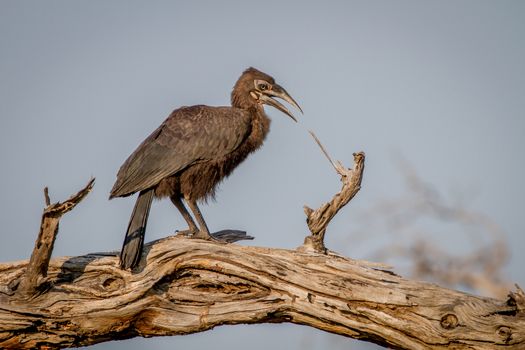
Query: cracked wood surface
x,y
186,286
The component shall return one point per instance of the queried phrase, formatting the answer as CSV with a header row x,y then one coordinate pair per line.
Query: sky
x,y
439,83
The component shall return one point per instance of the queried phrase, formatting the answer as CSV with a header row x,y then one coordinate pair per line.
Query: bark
x,y
187,286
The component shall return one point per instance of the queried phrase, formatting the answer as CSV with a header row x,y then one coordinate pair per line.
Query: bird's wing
x,y
189,135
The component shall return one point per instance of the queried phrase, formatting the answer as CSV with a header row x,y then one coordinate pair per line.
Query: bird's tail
x,y
132,247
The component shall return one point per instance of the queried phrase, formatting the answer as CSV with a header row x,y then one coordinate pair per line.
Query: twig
x,y
46,196
323,149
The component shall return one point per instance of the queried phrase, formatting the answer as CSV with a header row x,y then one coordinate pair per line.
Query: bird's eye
x,y
263,87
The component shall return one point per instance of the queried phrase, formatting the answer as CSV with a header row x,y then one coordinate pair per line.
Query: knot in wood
x,y
310,297
505,333
112,283
449,321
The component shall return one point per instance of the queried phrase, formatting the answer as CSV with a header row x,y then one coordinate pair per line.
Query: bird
x,y
191,152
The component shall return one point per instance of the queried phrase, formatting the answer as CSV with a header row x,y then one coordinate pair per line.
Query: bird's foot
x,y
198,234
224,236
206,236
186,233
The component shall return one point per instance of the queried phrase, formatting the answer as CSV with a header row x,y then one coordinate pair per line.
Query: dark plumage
x,y
191,152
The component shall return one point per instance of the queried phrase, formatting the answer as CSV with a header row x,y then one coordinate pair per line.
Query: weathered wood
x,y
186,286
318,219
36,271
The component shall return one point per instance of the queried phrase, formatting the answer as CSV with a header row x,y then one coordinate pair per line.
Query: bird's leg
x,y
192,228
203,233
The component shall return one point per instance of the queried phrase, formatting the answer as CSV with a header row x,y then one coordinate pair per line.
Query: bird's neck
x,y
260,126
242,100
259,121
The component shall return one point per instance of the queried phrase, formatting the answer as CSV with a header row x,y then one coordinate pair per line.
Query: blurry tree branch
x,y
417,220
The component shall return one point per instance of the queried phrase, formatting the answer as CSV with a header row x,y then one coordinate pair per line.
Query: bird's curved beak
x,y
279,92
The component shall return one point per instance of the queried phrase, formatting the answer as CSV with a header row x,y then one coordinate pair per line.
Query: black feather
x,y
134,240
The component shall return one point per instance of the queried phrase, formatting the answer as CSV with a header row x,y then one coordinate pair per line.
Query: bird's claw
x,y
197,234
205,236
185,233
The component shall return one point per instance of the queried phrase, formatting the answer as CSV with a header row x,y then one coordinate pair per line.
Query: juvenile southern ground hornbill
x,y
191,152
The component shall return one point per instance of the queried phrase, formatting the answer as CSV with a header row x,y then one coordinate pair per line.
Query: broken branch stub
x,y
517,299
318,220
36,272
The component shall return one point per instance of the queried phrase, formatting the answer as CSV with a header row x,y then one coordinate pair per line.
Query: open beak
x,y
279,92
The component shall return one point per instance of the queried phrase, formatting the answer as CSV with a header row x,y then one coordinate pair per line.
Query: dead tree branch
x,y
36,271
187,286
318,220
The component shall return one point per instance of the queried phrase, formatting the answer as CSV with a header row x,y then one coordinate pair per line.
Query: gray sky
x,y
82,83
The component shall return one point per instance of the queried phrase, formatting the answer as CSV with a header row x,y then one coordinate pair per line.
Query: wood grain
x,y
186,286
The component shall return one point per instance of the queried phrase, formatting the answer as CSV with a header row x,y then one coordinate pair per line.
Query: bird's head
x,y
256,88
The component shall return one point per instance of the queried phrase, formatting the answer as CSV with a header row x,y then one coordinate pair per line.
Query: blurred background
x,y
432,91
